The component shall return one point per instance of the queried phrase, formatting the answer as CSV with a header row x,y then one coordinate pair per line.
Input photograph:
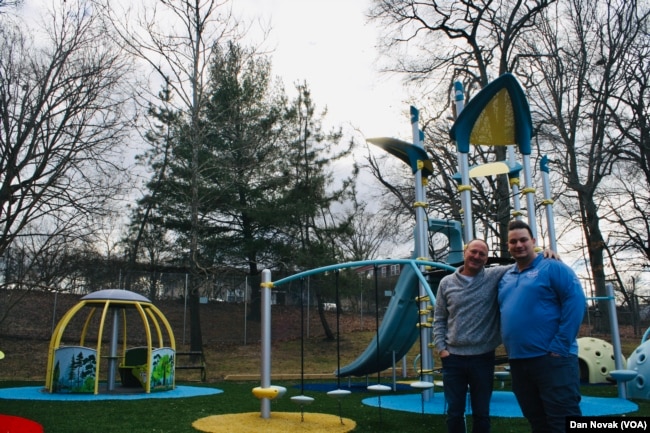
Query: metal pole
x,y
548,203
112,356
422,252
463,169
514,185
616,338
265,372
530,195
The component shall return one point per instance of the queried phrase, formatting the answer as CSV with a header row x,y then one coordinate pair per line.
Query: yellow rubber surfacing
x,y
279,422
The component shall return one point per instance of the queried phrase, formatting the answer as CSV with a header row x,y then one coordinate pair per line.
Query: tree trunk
x,y
329,335
595,248
196,336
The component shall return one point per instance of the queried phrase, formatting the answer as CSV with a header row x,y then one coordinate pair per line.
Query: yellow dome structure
x,y
596,359
75,367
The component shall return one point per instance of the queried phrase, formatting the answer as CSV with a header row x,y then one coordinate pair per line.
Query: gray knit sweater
x,y
466,315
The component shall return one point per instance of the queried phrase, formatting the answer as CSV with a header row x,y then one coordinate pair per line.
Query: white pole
x,y
530,195
463,169
265,372
422,252
548,203
516,203
112,356
619,362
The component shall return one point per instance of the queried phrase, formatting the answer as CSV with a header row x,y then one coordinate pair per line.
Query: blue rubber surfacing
x,y
39,393
503,404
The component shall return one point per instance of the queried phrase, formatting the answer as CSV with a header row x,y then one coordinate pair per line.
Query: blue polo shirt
x,y
541,309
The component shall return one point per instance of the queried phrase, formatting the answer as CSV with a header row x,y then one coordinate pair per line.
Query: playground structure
x,y
498,116
638,384
77,368
403,321
596,359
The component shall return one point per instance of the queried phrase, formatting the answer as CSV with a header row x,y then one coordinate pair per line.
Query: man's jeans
x,y
547,389
473,371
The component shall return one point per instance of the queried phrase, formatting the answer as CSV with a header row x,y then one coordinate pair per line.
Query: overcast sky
x,y
330,45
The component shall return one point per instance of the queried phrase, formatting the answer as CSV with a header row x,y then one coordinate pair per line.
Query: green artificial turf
x,y
177,415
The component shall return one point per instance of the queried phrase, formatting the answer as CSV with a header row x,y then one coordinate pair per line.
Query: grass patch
x,y
177,415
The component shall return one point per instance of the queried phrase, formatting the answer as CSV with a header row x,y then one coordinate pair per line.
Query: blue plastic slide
x,y
397,333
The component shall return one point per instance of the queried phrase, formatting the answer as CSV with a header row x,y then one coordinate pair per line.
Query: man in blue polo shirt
x,y
542,305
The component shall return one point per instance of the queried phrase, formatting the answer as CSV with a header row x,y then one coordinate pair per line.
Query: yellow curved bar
x,y
462,188
100,334
168,327
421,204
147,330
269,393
55,341
170,334
268,285
514,181
527,190
154,321
82,340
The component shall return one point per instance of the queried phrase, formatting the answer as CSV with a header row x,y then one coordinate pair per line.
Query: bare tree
x,y
62,128
367,235
4,4
576,75
470,41
630,112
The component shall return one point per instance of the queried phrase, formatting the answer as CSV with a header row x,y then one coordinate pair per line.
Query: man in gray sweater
x,y
466,333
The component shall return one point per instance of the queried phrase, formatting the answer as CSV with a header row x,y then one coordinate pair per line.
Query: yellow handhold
x,y
269,393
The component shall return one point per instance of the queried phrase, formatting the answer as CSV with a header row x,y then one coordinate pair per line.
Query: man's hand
x,y
550,254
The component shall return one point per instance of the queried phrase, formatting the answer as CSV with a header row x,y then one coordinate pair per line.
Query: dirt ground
x,y
227,335
231,344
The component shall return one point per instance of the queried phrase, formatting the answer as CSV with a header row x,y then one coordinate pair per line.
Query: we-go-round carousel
x,y
106,316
